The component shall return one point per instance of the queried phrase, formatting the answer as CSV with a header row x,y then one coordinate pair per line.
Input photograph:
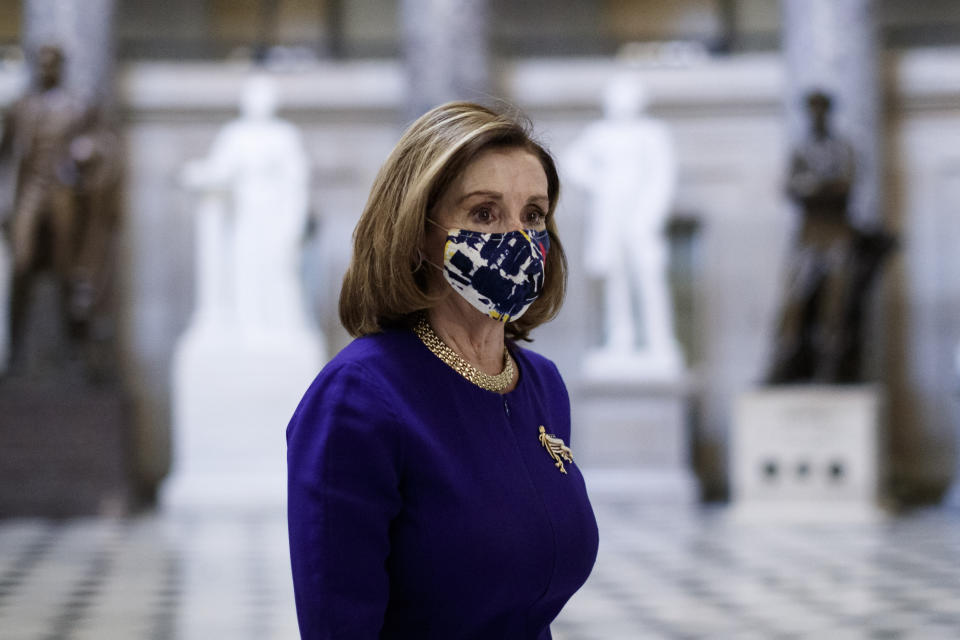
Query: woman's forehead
x,y
503,170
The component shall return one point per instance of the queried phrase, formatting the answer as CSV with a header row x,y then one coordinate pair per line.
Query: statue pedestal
x,y
66,447
661,368
232,398
634,435
807,453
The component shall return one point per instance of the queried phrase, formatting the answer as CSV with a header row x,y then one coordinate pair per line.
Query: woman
x,y
431,490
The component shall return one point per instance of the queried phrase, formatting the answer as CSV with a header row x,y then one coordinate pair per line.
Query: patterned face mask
x,y
500,274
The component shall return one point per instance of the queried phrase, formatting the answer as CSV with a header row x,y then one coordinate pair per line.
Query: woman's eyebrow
x,y
496,195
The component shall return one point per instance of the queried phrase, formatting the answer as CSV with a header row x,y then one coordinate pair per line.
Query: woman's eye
x,y
483,214
536,217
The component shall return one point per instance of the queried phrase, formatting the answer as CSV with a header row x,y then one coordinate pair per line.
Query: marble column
x,y
446,52
833,45
84,30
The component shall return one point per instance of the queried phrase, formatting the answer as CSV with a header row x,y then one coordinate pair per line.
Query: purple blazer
x,y
422,506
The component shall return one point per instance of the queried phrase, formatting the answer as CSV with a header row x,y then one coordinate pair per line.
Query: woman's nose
x,y
514,223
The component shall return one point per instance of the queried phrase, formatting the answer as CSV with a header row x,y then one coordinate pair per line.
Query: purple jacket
x,y
421,506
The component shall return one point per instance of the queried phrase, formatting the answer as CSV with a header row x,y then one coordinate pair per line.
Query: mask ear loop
x,y
437,225
422,260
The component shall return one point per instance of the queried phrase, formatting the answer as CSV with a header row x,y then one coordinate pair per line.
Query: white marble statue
x,y
254,185
626,162
250,349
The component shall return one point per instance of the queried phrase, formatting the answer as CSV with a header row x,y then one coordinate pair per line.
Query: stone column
x,y
833,45
84,30
446,52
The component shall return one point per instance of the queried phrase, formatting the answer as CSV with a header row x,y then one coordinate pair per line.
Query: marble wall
x,y
726,116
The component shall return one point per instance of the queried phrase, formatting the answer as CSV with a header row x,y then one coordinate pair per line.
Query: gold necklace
x,y
497,383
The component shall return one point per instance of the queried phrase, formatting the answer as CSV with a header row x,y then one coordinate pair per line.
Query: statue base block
x,y
635,436
232,400
807,453
66,448
603,366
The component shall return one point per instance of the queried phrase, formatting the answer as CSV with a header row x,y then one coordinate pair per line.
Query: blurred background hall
x,y
178,185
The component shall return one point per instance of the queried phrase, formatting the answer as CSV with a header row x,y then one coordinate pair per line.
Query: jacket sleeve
x,y
343,462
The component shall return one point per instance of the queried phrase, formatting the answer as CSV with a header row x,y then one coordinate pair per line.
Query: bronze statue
x,y
63,206
832,266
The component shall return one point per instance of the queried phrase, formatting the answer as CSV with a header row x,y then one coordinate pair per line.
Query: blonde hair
x,y
386,284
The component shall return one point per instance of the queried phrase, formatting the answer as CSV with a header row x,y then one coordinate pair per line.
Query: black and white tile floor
x,y
673,574
663,572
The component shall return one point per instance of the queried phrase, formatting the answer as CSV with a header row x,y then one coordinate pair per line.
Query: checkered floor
x,y
662,573
665,573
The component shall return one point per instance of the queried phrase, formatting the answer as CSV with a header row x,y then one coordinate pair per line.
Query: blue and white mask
x,y
499,274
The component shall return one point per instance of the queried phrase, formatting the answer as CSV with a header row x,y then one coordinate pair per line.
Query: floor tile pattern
x,y
676,574
662,572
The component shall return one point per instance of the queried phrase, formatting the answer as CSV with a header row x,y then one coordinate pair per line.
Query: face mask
x,y
499,274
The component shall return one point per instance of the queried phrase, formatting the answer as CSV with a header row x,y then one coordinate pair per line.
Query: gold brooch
x,y
555,447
